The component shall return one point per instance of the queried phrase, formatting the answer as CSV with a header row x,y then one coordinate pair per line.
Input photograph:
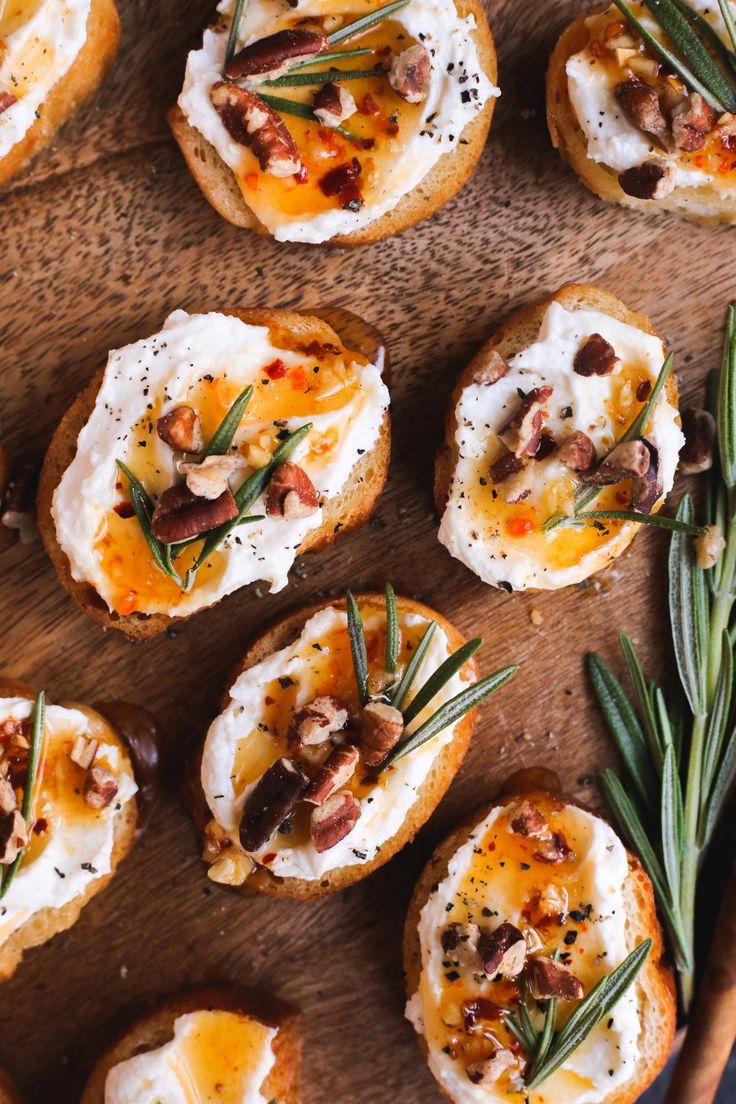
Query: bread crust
x,y
655,983
446,766
342,514
517,333
153,1029
438,187
9,1091
700,205
82,79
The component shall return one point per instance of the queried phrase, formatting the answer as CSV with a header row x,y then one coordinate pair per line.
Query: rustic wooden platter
x,y
107,235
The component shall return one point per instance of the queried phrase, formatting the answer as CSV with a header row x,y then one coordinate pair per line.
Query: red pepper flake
x,y
492,846
369,105
268,858
124,509
342,181
276,369
268,699
302,176
319,349
520,526
598,50
40,827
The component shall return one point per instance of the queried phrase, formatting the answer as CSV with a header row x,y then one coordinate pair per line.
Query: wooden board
x,y
105,237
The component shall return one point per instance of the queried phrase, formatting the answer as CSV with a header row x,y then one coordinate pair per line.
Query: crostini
x,y
54,55
334,123
339,734
206,457
632,128
68,815
219,1043
526,910
9,1092
561,433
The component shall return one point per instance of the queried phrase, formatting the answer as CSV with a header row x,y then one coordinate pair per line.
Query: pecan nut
x,y
551,979
331,822
577,452
630,459
492,371
502,951
335,772
528,820
100,788
554,850
523,432
646,488
8,800
709,547
317,721
13,836
333,104
291,493
181,429
83,752
506,466
382,727
596,356
652,180
211,478
699,427
489,1070
409,74
270,802
180,515
692,122
250,121
519,485
460,943
272,56
641,103
551,903
478,1013
7,99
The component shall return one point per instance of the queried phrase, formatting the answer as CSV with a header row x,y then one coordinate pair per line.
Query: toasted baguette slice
x,y
9,1091
517,333
153,1029
342,514
82,79
655,986
445,767
43,925
452,171
701,205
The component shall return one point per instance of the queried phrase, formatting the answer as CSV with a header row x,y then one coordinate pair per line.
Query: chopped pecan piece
x,y
489,1070
270,803
596,356
382,727
181,429
709,548
551,903
645,489
252,122
338,769
211,478
333,104
476,1013
528,820
291,493
523,432
17,510
272,56
518,485
551,979
232,868
409,74
505,466
317,721
100,788
8,801
503,951
7,99
692,122
13,837
460,943
699,427
641,103
180,515
492,371
554,850
216,840
83,752
629,460
332,822
652,180
577,452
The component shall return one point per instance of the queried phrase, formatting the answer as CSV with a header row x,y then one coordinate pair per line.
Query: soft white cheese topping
x,y
33,59
607,1058
577,403
613,139
165,367
167,1075
383,810
453,54
73,852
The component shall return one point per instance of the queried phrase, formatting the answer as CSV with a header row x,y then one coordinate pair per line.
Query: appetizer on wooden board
x,y
205,457
641,100
68,814
220,1043
55,54
526,910
338,124
339,734
563,431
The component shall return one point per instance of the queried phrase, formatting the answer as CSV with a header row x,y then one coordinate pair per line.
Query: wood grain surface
x,y
107,235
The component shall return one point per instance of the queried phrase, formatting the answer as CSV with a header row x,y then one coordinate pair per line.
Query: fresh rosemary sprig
x,y
357,648
392,630
35,754
333,55
350,30
693,57
232,40
327,76
304,111
224,435
658,521
679,752
143,507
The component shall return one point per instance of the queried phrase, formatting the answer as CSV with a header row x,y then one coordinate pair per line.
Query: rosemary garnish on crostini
x,y
679,751
700,57
35,756
394,693
547,1049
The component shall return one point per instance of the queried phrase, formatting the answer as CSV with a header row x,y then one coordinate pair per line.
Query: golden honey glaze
x,y
15,13
217,1058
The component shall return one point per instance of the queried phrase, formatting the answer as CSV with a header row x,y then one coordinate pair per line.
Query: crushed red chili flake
x,y
302,176
40,827
320,349
276,369
124,509
342,181
729,142
369,105
268,858
268,699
